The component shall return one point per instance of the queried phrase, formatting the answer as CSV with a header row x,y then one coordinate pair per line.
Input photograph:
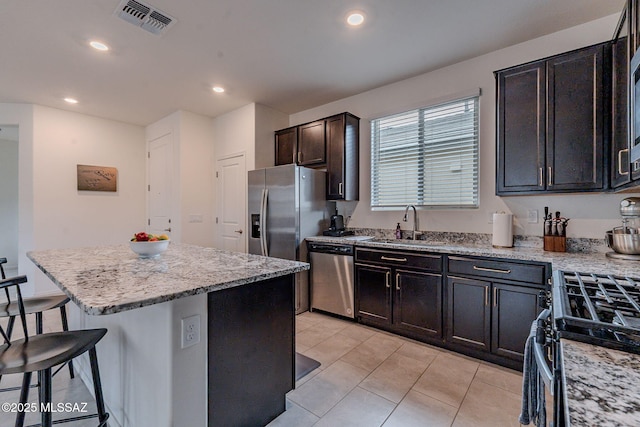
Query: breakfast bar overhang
x,y
236,371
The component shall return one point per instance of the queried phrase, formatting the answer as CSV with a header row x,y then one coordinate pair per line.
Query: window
x,y
426,157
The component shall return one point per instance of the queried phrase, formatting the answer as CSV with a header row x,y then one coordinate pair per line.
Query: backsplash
x,y
574,244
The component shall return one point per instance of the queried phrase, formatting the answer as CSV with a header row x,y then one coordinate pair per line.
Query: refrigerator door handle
x,y
263,222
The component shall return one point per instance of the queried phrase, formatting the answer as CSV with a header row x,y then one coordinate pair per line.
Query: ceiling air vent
x,y
144,16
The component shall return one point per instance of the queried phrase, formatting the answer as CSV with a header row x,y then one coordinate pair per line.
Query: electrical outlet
x,y
532,216
190,331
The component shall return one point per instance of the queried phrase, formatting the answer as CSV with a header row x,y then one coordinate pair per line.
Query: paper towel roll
x,y
502,230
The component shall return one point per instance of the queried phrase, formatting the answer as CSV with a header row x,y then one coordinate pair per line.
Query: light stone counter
x,y
589,262
602,385
111,279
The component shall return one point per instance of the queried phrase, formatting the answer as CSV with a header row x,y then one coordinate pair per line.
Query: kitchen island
x,y
156,369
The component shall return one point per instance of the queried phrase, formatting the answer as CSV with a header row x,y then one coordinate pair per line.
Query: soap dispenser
x,y
398,232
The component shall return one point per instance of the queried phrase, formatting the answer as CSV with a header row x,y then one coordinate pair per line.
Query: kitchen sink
x,y
410,242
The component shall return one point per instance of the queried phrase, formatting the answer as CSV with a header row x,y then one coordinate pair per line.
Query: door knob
x,y
239,231
167,229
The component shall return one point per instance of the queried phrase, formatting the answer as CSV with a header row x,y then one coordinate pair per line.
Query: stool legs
x,y
65,327
24,395
97,388
45,391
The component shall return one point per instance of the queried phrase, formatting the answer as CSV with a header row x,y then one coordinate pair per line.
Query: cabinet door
x,y
311,144
373,291
514,308
521,129
417,304
286,142
468,312
619,125
575,129
335,157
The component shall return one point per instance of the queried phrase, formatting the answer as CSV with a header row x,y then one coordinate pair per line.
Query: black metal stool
x,y
40,353
35,305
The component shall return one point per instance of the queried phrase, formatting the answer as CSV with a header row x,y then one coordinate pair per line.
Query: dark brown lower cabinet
x,y
468,312
404,301
514,307
491,317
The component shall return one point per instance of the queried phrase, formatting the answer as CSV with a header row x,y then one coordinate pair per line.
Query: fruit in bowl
x,y
149,245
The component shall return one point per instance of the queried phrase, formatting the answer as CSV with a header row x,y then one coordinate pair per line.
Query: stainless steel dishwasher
x,y
332,278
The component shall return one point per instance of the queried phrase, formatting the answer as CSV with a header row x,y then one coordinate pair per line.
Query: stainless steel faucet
x,y
406,211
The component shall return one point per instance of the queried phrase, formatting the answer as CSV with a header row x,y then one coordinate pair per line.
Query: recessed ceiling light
x,y
98,45
355,19
71,100
218,89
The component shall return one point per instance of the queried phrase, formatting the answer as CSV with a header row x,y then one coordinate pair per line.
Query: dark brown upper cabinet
x,y
286,141
621,166
343,132
331,143
551,121
311,144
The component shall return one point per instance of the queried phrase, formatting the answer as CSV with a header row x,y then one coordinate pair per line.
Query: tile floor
x,y
371,378
367,378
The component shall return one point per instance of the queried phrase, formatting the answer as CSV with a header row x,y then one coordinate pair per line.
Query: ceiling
x,y
290,55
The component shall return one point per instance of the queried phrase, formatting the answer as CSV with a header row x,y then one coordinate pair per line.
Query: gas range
x,y
598,309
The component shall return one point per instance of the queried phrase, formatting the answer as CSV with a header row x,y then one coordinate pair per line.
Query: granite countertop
x,y
602,385
111,279
589,262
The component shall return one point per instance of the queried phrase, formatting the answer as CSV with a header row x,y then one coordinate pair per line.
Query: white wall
x,y
591,214
234,133
196,178
9,203
52,212
267,121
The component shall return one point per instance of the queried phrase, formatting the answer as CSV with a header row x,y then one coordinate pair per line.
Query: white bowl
x,y
149,249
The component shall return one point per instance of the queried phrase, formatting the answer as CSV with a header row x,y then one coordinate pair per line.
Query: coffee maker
x,y
336,227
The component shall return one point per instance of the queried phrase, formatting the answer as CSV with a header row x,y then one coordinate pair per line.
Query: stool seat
x,y
47,350
34,305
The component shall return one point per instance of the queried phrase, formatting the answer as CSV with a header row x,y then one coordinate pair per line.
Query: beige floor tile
x,y
358,332
322,392
395,376
447,378
498,376
303,323
294,416
312,336
359,408
487,405
308,376
372,352
419,410
418,351
331,349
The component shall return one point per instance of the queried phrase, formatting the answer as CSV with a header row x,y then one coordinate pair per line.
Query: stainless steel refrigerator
x,y
286,204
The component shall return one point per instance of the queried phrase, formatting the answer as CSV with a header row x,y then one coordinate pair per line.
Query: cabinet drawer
x,y
405,259
530,273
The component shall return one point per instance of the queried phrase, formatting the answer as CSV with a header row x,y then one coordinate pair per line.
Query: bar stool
x,y
35,305
40,353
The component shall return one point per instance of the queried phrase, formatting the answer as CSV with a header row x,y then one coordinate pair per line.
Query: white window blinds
x,y
426,157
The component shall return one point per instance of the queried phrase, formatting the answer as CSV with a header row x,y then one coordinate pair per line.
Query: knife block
x,y
555,243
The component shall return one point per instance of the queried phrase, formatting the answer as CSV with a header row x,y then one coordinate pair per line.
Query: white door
x,y
160,181
231,177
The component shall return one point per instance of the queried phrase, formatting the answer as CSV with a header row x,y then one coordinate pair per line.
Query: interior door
x,y
160,181
232,194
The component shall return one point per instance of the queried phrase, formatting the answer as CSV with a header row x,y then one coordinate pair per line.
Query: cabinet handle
x,y
340,189
495,297
393,259
541,178
486,295
620,162
491,270
550,177
299,156
388,275
397,281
